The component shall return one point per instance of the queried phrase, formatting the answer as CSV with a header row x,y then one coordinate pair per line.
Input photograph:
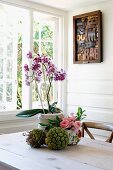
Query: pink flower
x,y
72,118
65,124
77,125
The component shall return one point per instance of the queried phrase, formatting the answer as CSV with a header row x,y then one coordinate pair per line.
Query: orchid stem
x,y
36,85
50,81
46,87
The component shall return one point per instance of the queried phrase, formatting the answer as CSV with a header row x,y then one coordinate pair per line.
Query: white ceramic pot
x,y
43,118
73,137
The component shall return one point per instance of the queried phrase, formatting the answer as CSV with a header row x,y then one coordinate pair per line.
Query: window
x,y
44,33
22,30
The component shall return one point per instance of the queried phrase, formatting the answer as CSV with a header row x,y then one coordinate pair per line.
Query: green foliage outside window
x,y
19,72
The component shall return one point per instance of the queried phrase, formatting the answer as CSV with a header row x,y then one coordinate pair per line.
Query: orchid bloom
x,y
42,67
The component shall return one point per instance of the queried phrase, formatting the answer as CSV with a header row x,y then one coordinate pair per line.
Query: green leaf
x,y
52,120
43,124
30,113
55,103
49,127
80,114
53,108
57,118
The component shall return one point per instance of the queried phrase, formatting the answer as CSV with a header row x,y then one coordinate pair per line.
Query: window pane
x,y
36,47
34,94
42,88
1,24
1,68
9,65
12,31
9,47
47,32
36,30
9,92
1,92
1,51
47,48
1,44
44,39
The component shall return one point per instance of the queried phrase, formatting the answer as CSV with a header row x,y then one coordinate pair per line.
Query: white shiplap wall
x,y
91,85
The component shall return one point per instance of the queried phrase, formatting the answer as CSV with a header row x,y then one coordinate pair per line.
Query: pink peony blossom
x,y
65,124
72,118
77,125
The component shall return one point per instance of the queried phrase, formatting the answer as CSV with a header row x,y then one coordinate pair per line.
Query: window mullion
x,y
4,63
56,57
27,42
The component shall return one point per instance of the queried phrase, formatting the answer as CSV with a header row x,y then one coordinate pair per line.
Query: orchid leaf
x,y
53,108
55,103
43,124
30,113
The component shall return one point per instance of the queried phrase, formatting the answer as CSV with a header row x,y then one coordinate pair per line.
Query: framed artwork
x,y
87,38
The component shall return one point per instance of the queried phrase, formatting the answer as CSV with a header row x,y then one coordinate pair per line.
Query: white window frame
x,y
62,15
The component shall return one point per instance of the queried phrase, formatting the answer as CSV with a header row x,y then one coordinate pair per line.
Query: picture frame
x,y
87,38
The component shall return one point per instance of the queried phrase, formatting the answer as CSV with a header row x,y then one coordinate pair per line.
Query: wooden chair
x,y
94,125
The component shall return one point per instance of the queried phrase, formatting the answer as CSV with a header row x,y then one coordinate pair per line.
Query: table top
x,y
87,155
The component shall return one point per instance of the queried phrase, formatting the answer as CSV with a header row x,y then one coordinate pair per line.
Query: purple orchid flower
x,y
29,55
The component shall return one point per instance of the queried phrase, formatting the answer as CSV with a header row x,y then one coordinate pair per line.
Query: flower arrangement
x,y
72,124
59,132
42,69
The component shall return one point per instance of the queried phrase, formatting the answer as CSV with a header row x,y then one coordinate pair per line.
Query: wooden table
x,y
87,155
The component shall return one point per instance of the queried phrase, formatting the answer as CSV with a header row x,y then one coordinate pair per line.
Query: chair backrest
x,y
94,125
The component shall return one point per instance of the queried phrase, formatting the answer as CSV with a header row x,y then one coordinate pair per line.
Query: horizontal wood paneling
x,y
100,101
90,72
90,87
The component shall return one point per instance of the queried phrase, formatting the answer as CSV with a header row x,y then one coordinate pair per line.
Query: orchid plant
x,y
42,69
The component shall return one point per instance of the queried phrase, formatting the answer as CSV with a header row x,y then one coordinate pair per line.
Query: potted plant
x,y
72,124
42,69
